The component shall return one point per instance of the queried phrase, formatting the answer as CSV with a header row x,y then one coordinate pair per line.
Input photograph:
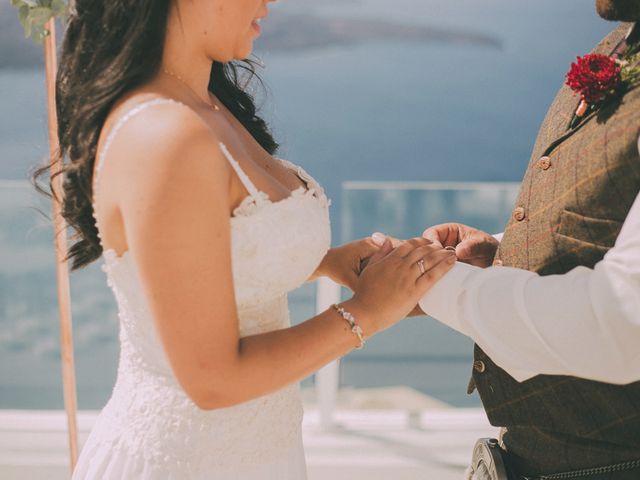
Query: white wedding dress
x,y
150,429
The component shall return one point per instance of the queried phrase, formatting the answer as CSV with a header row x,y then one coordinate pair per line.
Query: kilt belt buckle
x,y
487,462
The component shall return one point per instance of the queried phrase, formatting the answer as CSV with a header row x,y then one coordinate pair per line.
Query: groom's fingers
x,y
472,248
476,250
432,234
446,234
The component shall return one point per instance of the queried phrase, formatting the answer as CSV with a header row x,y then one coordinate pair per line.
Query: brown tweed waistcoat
x,y
574,198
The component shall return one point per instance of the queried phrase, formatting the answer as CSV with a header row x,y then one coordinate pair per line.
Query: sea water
x,y
385,108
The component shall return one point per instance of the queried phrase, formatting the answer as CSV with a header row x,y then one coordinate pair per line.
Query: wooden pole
x,y
60,242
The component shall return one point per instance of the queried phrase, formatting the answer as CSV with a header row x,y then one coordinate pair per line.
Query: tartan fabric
x,y
569,214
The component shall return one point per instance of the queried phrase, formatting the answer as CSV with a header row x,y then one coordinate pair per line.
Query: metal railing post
x,y
327,378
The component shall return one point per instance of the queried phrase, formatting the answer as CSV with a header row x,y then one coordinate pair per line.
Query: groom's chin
x,y
619,10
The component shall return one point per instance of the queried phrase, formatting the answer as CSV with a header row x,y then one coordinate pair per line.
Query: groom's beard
x,y
619,10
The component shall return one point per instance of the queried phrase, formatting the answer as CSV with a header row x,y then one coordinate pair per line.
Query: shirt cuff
x,y
442,300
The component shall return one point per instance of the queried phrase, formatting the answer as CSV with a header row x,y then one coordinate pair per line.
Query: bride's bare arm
x,y
175,207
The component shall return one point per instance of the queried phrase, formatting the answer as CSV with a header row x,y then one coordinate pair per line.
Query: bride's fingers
x,y
387,247
422,252
399,252
422,265
396,242
439,265
367,247
379,238
409,246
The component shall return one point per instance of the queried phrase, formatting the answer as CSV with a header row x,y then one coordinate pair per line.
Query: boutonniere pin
x,y
596,78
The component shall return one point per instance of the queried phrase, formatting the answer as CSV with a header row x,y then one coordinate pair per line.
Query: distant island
x,y
304,32
282,32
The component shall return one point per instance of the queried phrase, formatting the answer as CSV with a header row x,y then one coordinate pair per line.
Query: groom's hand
x,y
473,246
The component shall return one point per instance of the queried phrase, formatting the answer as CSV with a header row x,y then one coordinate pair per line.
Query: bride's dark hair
x,y
108,49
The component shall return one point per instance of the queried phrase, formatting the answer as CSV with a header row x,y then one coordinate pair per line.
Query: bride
x,y
172,178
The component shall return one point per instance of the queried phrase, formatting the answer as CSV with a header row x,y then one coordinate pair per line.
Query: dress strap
x,y
118,125
244,178
100,156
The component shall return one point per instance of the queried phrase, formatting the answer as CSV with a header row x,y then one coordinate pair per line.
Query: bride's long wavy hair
x,y
108,49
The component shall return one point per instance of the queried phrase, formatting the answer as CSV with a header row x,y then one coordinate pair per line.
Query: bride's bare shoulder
x,y
154,143
153,129
145,118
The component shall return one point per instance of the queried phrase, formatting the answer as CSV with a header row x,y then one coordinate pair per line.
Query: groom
x,y
553,307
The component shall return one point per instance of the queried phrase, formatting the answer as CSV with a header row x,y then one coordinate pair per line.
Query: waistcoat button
x,y
519,214
479,366
544,163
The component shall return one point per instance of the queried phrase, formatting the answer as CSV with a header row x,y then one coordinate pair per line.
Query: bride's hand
x,y
379,239
392,283
344,264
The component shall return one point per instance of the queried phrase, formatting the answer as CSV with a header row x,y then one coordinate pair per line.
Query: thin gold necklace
x,y
178,77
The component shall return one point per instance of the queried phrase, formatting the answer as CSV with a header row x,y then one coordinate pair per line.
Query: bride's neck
x,y
192,68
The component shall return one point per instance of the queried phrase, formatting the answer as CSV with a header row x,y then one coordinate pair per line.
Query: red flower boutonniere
x,y
594,77
597,77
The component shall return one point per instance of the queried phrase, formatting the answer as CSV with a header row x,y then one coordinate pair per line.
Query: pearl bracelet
x,y
355,328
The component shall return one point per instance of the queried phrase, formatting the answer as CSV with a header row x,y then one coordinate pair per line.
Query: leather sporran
x,y
487,462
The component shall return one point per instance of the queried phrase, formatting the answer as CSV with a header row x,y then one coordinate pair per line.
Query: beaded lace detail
x,y
258,199
150,428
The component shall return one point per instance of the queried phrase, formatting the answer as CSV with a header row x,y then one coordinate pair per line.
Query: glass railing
x,y
418,353
30,371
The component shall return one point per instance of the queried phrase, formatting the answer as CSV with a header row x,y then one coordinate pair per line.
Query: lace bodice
x,y
275,247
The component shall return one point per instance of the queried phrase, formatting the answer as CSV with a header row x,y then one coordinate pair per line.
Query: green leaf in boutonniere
x,y
630,70
34,15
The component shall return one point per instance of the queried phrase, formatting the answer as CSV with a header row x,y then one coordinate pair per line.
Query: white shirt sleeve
x,y
585,323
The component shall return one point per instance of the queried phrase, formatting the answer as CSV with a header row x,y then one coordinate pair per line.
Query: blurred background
x,y
409,113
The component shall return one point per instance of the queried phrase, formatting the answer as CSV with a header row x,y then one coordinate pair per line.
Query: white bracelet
x,y
355,328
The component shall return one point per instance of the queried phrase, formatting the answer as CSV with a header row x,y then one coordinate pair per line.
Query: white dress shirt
x,y
585,323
